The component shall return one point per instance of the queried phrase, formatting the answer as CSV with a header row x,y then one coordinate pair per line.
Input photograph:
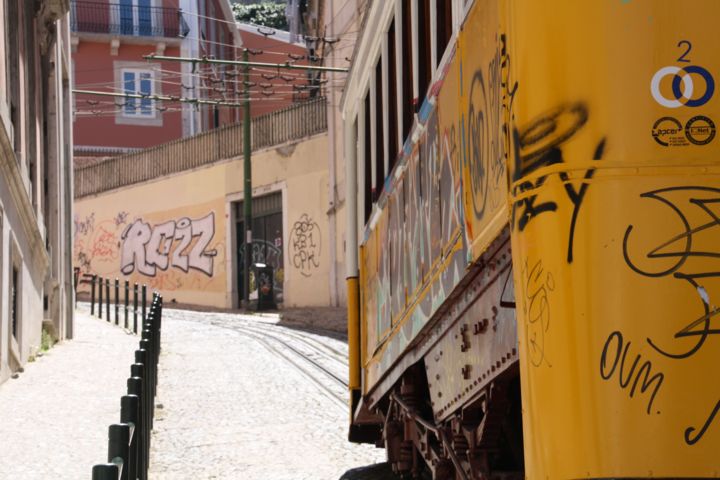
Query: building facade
x,y
109,41
36,178
181,232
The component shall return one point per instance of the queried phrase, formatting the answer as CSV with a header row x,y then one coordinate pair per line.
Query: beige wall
x,y
138,232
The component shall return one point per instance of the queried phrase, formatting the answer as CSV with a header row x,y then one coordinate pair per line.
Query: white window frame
x,y
155,119
137,112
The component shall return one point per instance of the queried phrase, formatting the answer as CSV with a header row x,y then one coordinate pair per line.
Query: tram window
x,y
379,137
424,50
392,96
443,20
367,187
407,71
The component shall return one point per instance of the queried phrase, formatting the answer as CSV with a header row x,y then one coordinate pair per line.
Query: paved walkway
x,y
54,418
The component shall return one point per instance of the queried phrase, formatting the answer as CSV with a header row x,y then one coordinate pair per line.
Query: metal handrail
x,y
129,20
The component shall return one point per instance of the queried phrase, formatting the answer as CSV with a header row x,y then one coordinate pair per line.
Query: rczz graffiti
x,y
181,244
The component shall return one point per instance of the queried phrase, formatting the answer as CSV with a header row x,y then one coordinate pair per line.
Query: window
x,y
135,17
136,81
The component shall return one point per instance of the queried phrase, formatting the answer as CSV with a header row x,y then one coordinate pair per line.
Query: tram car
x,y
533,242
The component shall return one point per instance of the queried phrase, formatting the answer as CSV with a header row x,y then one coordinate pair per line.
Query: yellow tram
x,y
534,238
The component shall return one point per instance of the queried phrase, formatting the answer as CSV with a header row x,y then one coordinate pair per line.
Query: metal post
x,y
247,184
106,471
100,297
129,413
135,307
117,299
144,302
135,387
92,294
127,300
119,447
107,298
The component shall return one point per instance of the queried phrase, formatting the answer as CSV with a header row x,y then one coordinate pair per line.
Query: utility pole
x,y
247,181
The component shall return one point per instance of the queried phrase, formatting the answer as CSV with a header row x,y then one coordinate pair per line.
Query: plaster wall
x,y
176,233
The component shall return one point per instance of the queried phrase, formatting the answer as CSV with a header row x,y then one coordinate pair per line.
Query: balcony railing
x,y
290,124
127,18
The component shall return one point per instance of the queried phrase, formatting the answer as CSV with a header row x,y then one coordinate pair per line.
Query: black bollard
x,y
134,386
107,299
106,471
119,447
117,298
100,298
92,294
129,412
144,301
127,293
135,307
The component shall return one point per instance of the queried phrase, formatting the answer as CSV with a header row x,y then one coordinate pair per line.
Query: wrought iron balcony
x,y
127,18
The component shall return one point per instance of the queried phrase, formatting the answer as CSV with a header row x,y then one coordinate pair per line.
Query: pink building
x,y
110,38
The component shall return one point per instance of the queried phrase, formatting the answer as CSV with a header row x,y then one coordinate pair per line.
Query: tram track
x,y
279,347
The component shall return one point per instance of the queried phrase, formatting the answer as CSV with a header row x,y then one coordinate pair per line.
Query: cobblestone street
x,y
238,401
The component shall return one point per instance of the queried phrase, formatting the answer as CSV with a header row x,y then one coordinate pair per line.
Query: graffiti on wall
x,y
305,245
180,244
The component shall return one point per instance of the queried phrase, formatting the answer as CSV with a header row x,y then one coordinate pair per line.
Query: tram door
x,y
267,242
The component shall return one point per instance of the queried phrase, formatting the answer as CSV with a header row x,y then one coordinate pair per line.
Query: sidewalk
x,y
54,418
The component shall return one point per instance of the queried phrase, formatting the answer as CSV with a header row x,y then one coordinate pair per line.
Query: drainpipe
x,y
332,220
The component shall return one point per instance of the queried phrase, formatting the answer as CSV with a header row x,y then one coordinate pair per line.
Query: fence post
x,y
118,447
129,411
92,294
144,301
108,471
135,388
127,293
107,299
100,297
135,307
117,296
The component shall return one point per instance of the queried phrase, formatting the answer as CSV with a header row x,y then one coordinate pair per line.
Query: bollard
x,y
118,447
92,294
100,298
108,471
134,386
144,300
135,307
129,411
127,292
117,296
107,299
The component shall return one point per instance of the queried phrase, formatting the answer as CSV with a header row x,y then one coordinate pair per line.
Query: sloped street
x,y
242,397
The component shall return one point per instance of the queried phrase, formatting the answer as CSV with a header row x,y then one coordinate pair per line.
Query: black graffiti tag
x,y
305,244
539,145
679,249
614,355
535,303
681,258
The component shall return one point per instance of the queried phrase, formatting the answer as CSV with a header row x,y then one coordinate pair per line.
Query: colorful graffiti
x,y
184,253
448,203
148,248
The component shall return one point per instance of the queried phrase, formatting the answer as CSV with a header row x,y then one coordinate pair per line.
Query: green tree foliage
x,y
267,14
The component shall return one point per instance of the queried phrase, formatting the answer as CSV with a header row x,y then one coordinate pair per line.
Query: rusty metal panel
x,y
480,343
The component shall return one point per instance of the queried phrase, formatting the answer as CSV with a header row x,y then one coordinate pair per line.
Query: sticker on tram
x,y
700,130
684,91
669,132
